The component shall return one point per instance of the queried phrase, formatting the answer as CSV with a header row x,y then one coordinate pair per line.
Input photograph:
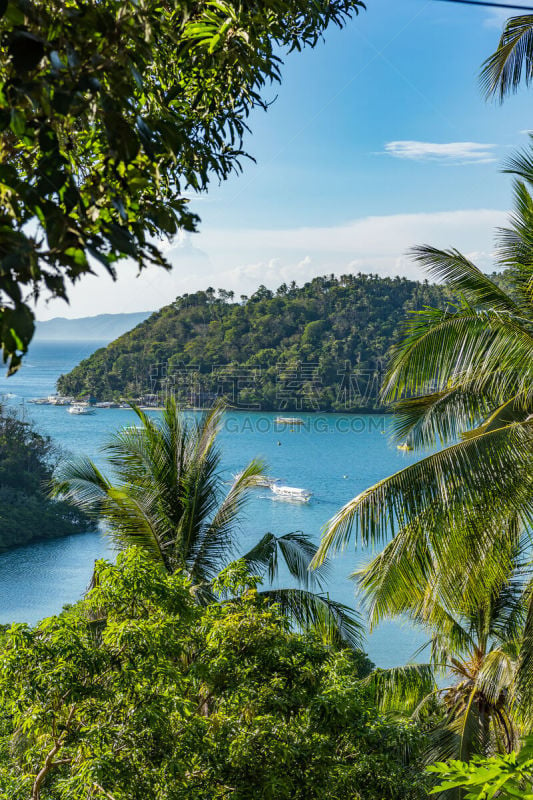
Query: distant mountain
x,y
104,327
320,346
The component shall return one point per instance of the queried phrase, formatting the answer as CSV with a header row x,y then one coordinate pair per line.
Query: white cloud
x,y
445,152
241,259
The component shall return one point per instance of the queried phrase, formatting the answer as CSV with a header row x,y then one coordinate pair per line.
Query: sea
x,y
334,456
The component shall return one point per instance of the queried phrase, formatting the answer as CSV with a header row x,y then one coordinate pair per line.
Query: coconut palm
x,y
475,661
166,495
462,379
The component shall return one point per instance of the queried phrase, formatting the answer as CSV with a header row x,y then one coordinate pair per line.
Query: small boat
x,y
291,493
405,447
80,409
289,421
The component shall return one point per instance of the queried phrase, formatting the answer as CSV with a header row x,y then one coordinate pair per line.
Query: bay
x,y
334,456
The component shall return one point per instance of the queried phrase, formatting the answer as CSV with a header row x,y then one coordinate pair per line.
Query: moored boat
x,y
80,409
289,421
291,493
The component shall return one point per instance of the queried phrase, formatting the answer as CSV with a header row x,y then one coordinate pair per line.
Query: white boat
x,y
80,409
289,421
291,493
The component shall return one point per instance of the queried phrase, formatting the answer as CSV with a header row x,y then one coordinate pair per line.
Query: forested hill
x,y
319,346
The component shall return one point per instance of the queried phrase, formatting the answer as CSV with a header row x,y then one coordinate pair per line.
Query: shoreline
x,y
234,409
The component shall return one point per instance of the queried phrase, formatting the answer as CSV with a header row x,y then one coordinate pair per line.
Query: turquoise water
x,y
333,456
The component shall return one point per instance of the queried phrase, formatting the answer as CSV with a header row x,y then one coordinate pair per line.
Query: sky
x,y
377,140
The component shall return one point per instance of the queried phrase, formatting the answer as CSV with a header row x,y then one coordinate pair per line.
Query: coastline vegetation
x,y
320,346
27,462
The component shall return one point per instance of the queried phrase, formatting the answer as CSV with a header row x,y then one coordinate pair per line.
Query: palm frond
x,y
79,481
210,544
496,675
335,623
134,524
464,278
482,350
515,242
512,61
524,676
297,551
460,738
465,588
208,427
401,688
493,468
396,580
439,417
511,411
130,519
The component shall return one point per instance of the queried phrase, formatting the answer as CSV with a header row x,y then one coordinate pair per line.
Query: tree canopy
x,y
139,692
109,111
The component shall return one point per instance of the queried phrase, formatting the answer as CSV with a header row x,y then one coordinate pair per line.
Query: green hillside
x,y
322,346
27,461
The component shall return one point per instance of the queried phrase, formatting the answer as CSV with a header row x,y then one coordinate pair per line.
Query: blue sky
x,y
401,71
378,139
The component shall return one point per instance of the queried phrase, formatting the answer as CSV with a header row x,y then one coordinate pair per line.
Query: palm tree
x,y
458,523
166,496
475,649
462,378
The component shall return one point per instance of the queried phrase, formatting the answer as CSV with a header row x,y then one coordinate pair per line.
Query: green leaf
x,y
18,122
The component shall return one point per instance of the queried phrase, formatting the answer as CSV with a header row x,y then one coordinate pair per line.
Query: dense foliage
x,y
26,463
138,692
321,346
109,111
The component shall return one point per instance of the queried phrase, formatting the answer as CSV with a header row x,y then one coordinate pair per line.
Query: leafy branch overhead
x,y
109,111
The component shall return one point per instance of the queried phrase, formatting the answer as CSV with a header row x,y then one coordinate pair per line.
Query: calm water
x,y
333,456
